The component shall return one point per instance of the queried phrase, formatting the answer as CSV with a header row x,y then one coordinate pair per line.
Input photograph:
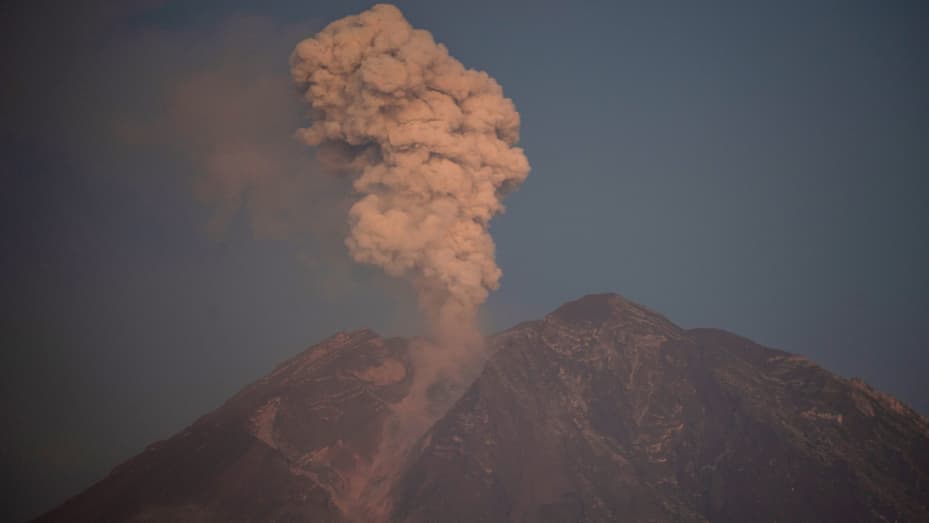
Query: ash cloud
x,y
222,105
431,149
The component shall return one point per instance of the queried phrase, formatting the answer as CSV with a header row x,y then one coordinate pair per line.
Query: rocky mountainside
x,y
601,411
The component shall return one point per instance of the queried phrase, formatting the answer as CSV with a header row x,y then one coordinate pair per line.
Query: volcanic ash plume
x,y
431,147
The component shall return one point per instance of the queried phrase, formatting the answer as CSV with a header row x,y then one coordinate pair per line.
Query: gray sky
x,y
758,167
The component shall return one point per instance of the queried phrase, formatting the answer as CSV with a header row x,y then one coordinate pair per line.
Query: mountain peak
x,y
608,308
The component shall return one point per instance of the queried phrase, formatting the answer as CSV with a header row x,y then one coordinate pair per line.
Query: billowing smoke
x,y
431,148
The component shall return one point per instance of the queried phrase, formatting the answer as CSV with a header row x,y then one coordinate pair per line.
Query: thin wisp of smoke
x,y
431,148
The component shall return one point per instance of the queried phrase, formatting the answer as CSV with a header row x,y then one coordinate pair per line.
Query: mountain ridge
x,y
601,409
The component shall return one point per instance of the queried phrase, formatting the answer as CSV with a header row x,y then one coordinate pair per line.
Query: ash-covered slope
x,y
282,449
606,411
602,411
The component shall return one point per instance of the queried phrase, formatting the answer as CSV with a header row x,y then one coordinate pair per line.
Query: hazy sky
x,y
758,167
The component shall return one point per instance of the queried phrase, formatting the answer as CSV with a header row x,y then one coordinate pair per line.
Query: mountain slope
x,y
601,411
605,411
279,450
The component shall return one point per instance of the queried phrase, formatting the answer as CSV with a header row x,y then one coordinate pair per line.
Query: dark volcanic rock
x,y
602,411
605,411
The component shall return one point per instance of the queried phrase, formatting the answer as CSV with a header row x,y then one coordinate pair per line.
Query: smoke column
x,y
431,149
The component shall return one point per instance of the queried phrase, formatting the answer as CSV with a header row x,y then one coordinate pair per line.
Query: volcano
x,y
601,411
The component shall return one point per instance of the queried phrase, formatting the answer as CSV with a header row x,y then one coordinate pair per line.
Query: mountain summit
x,y
601,411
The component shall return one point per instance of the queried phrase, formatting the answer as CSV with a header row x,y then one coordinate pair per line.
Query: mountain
x,y
606,411
601,411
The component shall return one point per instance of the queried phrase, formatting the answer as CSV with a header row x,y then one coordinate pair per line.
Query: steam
x,y
431,149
